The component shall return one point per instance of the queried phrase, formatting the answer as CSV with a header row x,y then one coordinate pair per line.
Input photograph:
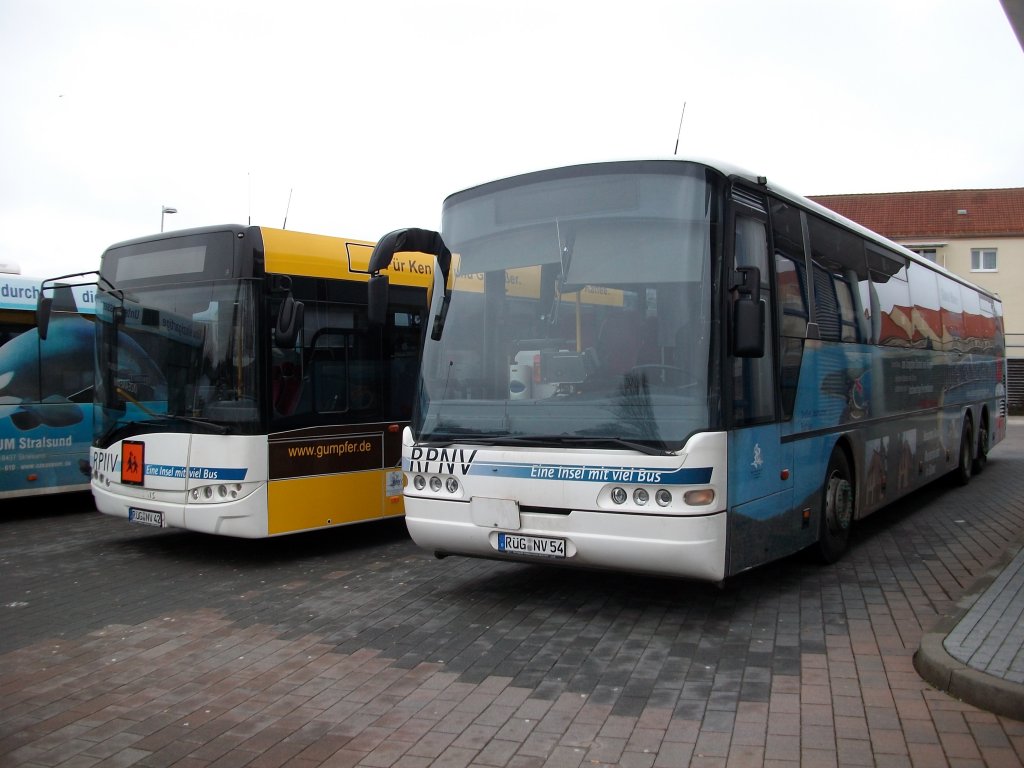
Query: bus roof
x,y
302,253
733,171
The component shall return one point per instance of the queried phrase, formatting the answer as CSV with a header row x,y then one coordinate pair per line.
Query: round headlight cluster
x,y
449,484
662,496
215,493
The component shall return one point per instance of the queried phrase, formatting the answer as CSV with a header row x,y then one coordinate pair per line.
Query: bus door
x,y
760,525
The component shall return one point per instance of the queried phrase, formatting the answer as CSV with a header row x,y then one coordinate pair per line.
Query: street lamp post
x,y
164,210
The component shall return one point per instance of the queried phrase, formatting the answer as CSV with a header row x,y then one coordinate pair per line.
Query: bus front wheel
x,y
836,509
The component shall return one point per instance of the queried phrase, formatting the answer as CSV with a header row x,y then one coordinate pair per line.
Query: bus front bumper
x,y
668,545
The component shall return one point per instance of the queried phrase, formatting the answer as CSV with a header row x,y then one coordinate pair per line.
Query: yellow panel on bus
x,y
524,282
301,253
303,503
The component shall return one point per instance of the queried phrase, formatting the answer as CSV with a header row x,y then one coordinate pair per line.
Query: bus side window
x,y
792,290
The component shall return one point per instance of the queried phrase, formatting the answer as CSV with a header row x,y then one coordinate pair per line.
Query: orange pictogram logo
x,y
132,462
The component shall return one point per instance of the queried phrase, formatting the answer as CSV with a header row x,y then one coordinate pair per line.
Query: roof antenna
x,y
285,225
248,178
676,151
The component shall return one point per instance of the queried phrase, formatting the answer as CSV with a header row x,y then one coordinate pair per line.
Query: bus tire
x,y
964,464
982,458
837,506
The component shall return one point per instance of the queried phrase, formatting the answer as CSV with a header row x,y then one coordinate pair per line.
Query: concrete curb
x,y
936,666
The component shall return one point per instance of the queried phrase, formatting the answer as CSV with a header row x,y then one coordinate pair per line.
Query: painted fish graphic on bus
x,y
69,365
854,388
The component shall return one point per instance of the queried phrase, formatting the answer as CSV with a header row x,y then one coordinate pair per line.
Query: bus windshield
x,y
580,311
181,357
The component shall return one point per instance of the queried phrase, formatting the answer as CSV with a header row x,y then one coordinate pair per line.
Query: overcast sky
x,y
366,115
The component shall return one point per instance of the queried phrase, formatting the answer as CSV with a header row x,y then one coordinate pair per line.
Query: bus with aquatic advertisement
x,y
761,373
45,387
240,389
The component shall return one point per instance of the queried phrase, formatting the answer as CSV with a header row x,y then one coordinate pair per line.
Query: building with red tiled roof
x,y
947,213
976,233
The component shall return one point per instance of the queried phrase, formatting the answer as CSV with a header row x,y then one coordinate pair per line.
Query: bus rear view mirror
x,y
748,328
289,322
43,307
748,315
377,299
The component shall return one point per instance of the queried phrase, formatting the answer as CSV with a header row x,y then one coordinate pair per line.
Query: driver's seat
x,y
617,346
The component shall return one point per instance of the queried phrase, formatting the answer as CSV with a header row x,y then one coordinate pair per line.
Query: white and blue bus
x,y
45,387
677,367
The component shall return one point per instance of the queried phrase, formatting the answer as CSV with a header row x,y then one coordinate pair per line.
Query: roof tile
x,y
903,215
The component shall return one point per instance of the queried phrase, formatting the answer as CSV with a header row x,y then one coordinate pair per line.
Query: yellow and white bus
x,y
240,389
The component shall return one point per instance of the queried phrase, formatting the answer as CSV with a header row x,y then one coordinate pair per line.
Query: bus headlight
x,y
663,497
419,482
220,492
641,497
435,483
619,495
451,485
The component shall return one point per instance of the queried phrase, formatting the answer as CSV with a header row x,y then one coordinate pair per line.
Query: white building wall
x,y
1007,281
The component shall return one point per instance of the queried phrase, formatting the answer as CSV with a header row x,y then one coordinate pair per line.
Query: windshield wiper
x,y
220,429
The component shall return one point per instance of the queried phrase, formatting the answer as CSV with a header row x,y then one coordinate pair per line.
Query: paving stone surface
x,y
126,646
990,636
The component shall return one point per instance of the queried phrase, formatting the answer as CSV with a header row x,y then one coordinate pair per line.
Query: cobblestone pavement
x,y
125,646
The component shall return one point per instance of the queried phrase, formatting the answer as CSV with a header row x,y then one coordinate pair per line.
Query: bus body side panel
x,y
332,475
898,411
764,525
38,458
566,495
300,504
45,433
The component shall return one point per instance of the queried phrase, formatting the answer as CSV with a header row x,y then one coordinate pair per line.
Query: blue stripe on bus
x,y
590,473
196,473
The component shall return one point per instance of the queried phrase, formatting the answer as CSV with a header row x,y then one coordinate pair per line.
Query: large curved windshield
x,y
580,311
179,358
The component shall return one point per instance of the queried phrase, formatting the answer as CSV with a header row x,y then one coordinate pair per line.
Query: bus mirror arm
x,y
44,305
748,314
748,283
411,239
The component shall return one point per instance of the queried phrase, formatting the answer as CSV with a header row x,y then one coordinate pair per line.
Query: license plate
x,y
531,545
145,517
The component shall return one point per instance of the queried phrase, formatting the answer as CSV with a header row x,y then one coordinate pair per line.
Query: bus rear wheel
x,y
962,473
836,509
982,458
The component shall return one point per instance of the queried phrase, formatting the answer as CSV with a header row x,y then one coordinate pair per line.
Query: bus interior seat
x,y
617,345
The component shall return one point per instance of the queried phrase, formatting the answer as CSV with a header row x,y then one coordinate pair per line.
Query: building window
x,y
983,259
929,253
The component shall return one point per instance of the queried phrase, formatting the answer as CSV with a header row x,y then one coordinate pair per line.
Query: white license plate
x,y
145,517
543,546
